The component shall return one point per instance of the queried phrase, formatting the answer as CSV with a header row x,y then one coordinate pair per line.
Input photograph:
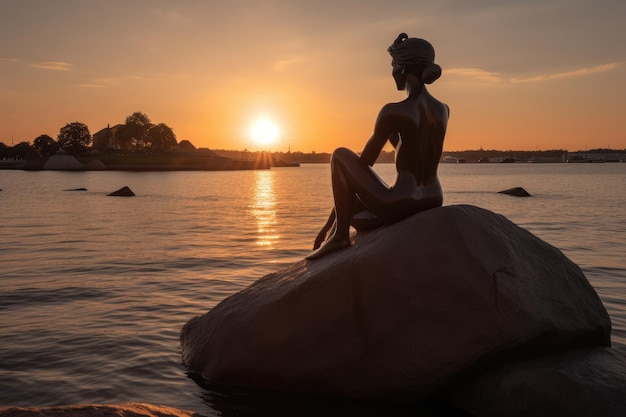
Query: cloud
x,y
476,74
107,82
11,60
569,74
489,77
52,65
285,64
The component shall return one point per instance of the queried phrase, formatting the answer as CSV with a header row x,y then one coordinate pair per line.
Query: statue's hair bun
x,y
401,37
431,73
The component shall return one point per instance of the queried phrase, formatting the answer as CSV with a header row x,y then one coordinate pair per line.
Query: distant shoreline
x,y
224,160
195,161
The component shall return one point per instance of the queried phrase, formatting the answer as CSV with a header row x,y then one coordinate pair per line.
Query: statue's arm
x,y
383,131
394,138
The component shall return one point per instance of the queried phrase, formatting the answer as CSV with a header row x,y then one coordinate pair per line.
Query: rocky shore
x,y
98,410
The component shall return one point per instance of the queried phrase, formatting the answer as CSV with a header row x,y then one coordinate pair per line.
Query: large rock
x,y
402,312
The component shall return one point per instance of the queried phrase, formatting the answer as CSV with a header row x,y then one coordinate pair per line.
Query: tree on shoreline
x,y
19,150
46,145
132,134
160,137
74,138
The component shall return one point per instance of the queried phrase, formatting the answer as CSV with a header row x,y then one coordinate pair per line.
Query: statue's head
x,y
413,56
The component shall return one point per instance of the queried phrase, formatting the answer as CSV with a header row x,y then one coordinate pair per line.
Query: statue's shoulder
x,y
391,109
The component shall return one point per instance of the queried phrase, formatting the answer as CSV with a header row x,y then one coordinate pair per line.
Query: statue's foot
x,y
332,245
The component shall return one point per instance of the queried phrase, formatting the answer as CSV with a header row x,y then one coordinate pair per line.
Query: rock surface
x,y
585,382
95,165
405,310
62,161
97,410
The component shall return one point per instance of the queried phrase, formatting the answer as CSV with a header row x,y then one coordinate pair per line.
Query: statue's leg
x,y
343,193
348,174
362,181
388,204
321,236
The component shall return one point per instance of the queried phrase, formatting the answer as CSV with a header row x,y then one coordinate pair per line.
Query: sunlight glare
x,y
264,132
263,207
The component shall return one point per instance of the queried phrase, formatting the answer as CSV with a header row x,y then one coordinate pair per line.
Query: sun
x,y
264,132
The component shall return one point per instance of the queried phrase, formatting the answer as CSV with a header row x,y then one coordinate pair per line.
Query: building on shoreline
x,y
577,157
106,138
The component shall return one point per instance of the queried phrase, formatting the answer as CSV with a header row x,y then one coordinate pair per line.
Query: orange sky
x,y
523,74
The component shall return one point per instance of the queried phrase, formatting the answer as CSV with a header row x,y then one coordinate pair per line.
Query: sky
x,y
517,74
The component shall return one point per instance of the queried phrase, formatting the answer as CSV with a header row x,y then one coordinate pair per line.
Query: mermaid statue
x,y
416,128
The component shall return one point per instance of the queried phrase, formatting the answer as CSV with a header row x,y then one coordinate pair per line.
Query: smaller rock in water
x,y
76,189
122,192
516,192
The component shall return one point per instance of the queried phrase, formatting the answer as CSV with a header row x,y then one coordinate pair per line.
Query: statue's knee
x,y
342,154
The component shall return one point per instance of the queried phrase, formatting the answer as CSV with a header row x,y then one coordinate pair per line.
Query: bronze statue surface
x,y
416,128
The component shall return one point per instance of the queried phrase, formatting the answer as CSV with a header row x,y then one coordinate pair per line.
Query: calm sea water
x,y
94,289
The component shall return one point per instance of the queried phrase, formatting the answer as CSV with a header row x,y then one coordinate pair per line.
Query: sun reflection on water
x,y
263,207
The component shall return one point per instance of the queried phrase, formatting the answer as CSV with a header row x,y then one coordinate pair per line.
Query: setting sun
x,y
264,132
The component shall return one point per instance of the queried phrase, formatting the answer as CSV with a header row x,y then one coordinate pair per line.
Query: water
x,y
94,289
